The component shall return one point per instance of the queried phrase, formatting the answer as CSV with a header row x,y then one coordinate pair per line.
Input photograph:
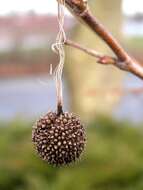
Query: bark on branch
x,y
80,9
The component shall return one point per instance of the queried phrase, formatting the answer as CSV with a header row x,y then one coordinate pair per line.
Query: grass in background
x,y
113,160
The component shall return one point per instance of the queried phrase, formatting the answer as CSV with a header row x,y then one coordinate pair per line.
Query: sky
x,y
49,6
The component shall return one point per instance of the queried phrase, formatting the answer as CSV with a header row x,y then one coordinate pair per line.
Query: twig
x,y
103,59
80,9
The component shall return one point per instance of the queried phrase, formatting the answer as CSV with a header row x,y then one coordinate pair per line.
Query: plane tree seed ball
x,y
59,139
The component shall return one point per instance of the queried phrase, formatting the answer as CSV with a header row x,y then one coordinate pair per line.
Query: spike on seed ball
x,y
59,139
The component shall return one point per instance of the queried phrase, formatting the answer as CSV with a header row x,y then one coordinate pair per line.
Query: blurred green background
x,y
113,159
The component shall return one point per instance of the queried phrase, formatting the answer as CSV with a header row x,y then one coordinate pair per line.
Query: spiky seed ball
x,y
59,140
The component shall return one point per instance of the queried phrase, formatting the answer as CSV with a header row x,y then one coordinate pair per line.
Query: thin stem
x,y
103,59
59,109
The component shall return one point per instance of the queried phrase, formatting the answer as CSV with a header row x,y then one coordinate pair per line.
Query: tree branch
x,y
102,59
80,9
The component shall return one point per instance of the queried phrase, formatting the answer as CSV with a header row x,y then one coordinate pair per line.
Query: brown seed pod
x,y
59,139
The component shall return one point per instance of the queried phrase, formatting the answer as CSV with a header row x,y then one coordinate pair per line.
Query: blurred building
x,y
29,30
25,43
